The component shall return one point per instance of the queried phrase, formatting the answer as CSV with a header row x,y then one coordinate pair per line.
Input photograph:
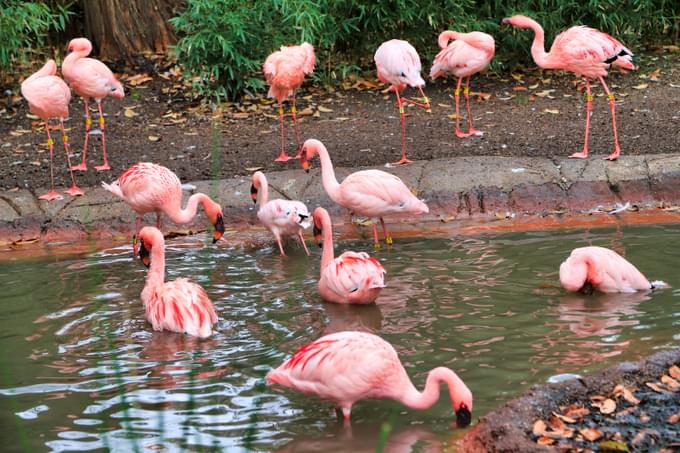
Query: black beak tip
x,y
463,417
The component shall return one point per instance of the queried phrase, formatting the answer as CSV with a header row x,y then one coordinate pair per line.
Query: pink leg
x,y
74,190
278,241
456,95
135,236
400,104
102,123
304,244
283,157
158,220
88,125
589,107
388,238
466,92
293,112
612,106
52,194
376,241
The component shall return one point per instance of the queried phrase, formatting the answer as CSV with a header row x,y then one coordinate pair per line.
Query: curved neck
x,y
179,215
263,187
445,37
327,255
428,397
70,60
538,46
156,275
330,183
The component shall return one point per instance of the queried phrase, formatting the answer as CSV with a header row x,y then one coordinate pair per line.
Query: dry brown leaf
x,y
36,163
674,418
656,387
545,94
129,113
307,111
241,115
154,138
519,88
138,79
539,428
553,111
577,412
481,96
644,418
606,406
626,411
253,169
590,434
640,436
674,372
545,441
642,86
323,109
620,390
670,382
564,418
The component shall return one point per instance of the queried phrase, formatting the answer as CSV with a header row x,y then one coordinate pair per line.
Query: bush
x,y
225,42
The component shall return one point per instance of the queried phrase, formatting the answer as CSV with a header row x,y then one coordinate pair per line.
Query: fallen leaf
x,y
613,445
553,111
533,87
253,169
577,412
670,382
620,390
306,112
36,163
626,411
674,372
656,387
519,88
481,96
323,109
640,436
674,418
564,418
545,93
606,406
129,113
241,115
545,441
138,79
590,434
644,418
154,138
539,428
642,86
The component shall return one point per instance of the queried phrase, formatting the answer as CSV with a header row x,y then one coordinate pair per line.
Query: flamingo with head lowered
x,y
586,52
369,193
346,367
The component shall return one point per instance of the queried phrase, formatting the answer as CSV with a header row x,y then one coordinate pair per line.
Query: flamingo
x,y
149,187
281,217
586,52
351,278
178,306
346,367
369,193
589,268
90,78
285,71
398,64
468,54
48,97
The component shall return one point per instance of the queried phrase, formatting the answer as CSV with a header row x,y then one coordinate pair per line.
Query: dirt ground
x,y
524,113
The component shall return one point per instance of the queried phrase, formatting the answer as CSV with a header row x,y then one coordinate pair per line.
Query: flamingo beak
x,y
135,245
253,193
144,254
463,416
317,235
305,164
219,228
506,21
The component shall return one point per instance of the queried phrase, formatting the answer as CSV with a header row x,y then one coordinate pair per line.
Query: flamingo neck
x,y
330,183
156,275
179,215
428,397
538,46
327,255
264,191
69,62
445,37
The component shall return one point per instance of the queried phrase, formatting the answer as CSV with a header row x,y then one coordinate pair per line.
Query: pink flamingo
x,y
398,64
586,52
90,78
48,97
369,193
468,54
178,306
589,268
149,187
351,278
281,217
285,71
346,367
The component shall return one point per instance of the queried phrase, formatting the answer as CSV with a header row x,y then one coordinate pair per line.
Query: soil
x,y
359,123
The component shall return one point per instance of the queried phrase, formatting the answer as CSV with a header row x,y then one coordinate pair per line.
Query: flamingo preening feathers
x,y
346,367
466,55
285,70
281,217
351,278
177,306
586,52
48,97
90,78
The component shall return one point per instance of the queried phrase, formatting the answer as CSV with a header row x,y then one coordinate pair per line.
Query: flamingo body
x,y
351,278
281,217
467,54
178,306
346,367
602,269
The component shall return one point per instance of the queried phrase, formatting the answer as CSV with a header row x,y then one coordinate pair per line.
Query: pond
x,y
80,369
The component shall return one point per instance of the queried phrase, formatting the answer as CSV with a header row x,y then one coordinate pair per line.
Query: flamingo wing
x,y
285,69
354,272
92,78
181,306
398,63
375,193
286,216
47,96
147,187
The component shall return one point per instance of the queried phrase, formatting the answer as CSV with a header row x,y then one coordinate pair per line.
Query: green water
x,y
81,370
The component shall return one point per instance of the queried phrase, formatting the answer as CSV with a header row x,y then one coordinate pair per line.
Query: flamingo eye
x,y
402,74
113,89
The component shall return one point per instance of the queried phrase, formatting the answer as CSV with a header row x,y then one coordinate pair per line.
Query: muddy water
x,y
81,370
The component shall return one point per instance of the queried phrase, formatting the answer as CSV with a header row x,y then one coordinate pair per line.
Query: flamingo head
x,y
462,405
258,178
309,149
518,21
318,225
80,45
117,90
574,274
214,213
145,242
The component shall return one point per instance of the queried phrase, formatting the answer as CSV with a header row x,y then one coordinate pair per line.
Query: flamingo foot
x,y
581,155
283,157
473,131
376,246
51,195
74,191
389,241
614,155
80,167
402,161
461,134
103,167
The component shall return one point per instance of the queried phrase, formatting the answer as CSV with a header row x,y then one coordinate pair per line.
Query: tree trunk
x,y
128,28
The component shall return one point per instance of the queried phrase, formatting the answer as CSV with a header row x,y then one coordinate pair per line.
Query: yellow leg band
x,y
50,141
88,121
101,120
64,139
401,110
466,91
293,110
611,97
456,92
281,112
589,97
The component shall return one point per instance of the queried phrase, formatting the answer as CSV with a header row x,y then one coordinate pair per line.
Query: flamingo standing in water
x,y
149,187
285,70
351,278
48,97
399,65
369,193
590,268
586,52
468,54
90,78
346,367
178,306
281,217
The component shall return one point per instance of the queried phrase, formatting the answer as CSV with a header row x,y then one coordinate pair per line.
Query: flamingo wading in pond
x,y
285,70
466,55
281,217
90,78
369,193
351,278
599,268
48,97
346,367
177,306
398,64
586,52
149,187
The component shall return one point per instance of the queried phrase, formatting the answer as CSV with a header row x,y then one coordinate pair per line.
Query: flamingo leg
x,y
612,106
466,92
304,244
293,112
388,238
88,124
456,95
158,221
402,114
283,157
135,241
102,122
423,105
74,190
376,242
52,194
589,107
